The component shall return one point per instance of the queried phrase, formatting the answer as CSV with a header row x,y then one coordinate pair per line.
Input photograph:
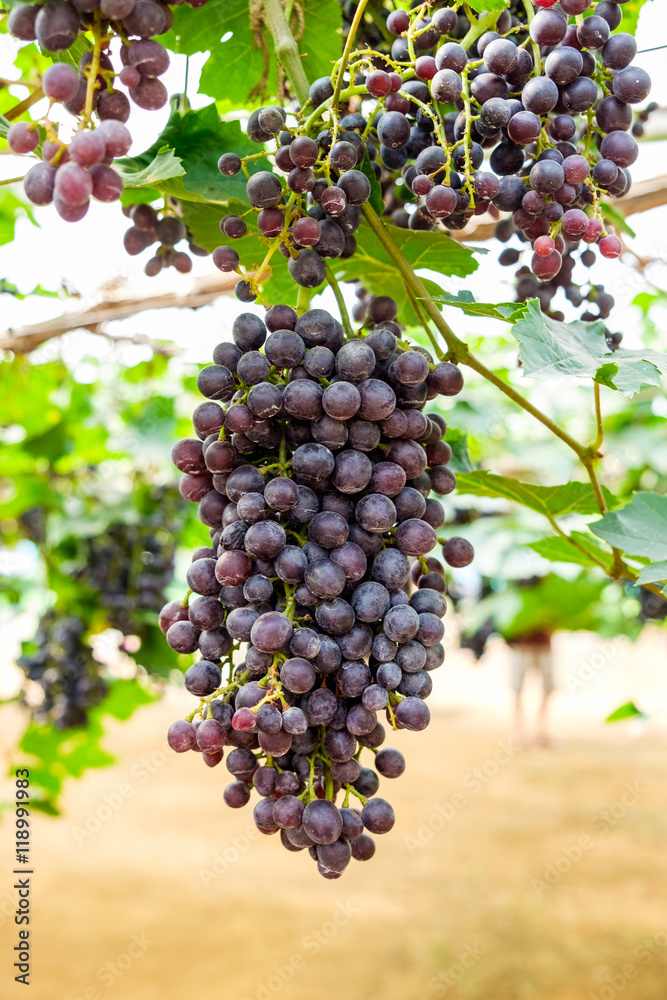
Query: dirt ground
x,y
511,873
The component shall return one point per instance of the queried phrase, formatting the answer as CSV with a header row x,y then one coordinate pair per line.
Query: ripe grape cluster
x,y
70,174
547,96
312,467
150,226
129,566
61,662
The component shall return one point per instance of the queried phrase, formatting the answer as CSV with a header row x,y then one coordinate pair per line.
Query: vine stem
x,y
344,315
18,109
457,349
349,42
287,51
598,418
93,69
537,57
478,26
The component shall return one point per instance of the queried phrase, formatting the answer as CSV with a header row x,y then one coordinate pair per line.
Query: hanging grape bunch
x,y
549,103
61,663
312,468
70,174
129,566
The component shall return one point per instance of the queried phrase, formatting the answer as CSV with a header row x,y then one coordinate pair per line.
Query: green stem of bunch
x,y
359,13
344,315
287,51
93,68
537,57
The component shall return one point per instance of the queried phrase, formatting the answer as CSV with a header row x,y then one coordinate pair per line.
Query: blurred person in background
x,y
532,652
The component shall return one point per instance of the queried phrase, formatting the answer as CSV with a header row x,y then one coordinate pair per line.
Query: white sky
x,y
89,253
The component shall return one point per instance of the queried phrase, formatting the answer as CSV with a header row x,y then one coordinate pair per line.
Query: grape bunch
x,y
61,662
312,467
69,175
129,566
151,226
584,295
547,96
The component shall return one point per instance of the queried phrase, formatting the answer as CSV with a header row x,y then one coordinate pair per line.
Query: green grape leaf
x,y
640,528
631,12
376,199
508,312
124,697
11,208
458,442
195,141
142,171
633,370
241,70
627,711
617,218
557,549
551,501
73,54
482,6
374,268
551,349
655,573
551,604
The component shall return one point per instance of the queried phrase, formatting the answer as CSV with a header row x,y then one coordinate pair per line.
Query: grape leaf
x,y
123,698
655,573
631,12
551,349
617,218
374,268
632,370
465,301
458,442
376,199
549,605
627,711
557,549
640,528
552,501
11,208
72,55
482,6
142,171
241,69
193,142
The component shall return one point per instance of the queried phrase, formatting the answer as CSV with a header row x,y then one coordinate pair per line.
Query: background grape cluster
x,y
70,174
120,576
313,467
